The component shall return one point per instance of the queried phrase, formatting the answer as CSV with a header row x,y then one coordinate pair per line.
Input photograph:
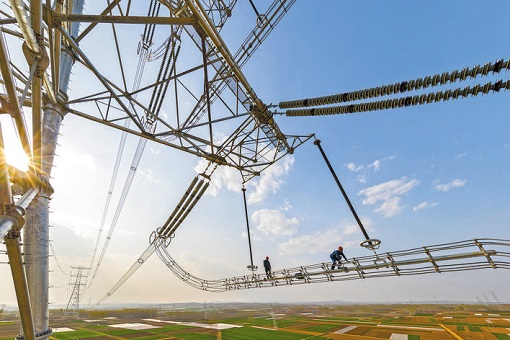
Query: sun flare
x,y
13,150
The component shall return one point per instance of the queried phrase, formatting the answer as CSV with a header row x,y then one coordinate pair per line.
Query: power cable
x,y
127,185
56,260
155,103
146,42
164,234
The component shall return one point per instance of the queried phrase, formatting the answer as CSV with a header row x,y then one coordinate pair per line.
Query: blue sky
x,y
417,176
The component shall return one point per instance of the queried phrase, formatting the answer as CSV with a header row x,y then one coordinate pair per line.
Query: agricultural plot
x,y
397,322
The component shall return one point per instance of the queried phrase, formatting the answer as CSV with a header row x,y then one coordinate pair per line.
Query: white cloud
x,y
351,229
388,194
460,155
319,242
274,222
154,150
456,183
375,164
230,178
424,205
286,206
223,177
354,167
270,180
149,176
324,241
86,162
390,207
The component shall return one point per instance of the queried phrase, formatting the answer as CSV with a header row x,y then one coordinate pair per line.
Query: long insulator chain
x,y
387,104
149,29
401,87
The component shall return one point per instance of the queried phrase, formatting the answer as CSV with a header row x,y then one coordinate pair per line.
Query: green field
x,y
292,322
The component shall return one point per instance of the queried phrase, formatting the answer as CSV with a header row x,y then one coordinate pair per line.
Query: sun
x,y
14,153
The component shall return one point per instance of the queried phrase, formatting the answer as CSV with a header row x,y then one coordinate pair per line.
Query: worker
x,y
267,267
336,257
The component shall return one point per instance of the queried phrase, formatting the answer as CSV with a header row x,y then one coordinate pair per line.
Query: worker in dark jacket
x,y
336,257
267,267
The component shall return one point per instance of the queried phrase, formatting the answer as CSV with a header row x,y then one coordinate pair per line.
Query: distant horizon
x,y
323,303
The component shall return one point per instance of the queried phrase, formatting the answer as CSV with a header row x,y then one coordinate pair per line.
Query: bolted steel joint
x,y
41,59
15,214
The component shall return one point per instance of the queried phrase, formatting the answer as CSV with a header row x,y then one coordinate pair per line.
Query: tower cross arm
x,y
259,108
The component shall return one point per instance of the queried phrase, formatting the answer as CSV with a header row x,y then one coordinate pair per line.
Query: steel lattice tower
x,y
73,306
48,38
197,93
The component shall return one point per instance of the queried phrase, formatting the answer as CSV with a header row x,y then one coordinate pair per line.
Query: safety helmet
x,y
267,257
340,248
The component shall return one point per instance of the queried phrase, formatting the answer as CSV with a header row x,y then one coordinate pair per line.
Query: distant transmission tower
x,y
495,298
273,316
73,306
479,301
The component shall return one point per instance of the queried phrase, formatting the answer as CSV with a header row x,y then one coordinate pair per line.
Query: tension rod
x,y
318,143
255,9
251,266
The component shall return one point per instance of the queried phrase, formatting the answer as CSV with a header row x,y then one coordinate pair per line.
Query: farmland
x,y
276,321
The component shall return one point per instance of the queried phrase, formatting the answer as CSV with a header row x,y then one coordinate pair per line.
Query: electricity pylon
x,y
77,282
200,103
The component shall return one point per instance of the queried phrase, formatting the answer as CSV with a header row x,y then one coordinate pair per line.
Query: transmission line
x,y
164,234
155,106
56,260
145,44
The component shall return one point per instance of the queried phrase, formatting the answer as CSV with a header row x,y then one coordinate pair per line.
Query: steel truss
x,y
188,106
193,100
223,102
448,257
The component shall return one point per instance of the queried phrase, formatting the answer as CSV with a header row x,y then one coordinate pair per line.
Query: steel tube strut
x,y
116,19
20,286
10,226
18,8
36,234
318,143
